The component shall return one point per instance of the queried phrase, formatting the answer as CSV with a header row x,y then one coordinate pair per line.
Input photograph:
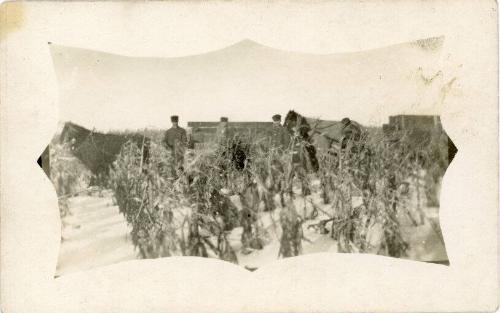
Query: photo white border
x,y
30,224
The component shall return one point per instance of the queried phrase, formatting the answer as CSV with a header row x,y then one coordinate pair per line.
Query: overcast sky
x,y
247,82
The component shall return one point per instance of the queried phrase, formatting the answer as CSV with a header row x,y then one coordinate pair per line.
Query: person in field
x,y
351,132
222,143
222,134
299,162
280,138
175,141
357,154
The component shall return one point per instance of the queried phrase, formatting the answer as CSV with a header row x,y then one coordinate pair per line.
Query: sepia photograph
x,y
248,154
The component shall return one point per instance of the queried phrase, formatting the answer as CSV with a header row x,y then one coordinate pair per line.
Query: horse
x,y
323,135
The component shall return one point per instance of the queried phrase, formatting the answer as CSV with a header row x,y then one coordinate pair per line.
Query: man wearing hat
x,y
280,137
222,134
351,132
175,140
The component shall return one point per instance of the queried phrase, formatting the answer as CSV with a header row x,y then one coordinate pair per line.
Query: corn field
x,y
357,196
68,175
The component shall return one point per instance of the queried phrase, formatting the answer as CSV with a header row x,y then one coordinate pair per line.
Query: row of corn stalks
x,y
190,211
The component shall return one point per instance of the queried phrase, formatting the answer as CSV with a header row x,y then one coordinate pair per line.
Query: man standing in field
x,y
223,147
299,162
356,154
280,138
222,133
175,140
351,132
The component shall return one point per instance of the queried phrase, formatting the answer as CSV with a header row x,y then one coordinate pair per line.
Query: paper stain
x,y
445,90
430,44
428,80
435,89
12,17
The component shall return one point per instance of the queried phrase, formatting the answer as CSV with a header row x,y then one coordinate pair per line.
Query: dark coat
x,y
350,133
175,140
175,136
223,134
279,137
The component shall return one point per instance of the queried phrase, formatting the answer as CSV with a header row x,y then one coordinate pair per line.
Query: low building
x,y
420,128
411,122
203,133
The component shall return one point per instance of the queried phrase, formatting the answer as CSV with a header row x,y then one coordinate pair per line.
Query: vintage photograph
x,y
249,154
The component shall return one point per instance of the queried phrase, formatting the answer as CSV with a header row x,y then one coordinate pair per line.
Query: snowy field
x,y
96,234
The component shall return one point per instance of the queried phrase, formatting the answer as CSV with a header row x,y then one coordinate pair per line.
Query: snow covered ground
x,y
96,234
